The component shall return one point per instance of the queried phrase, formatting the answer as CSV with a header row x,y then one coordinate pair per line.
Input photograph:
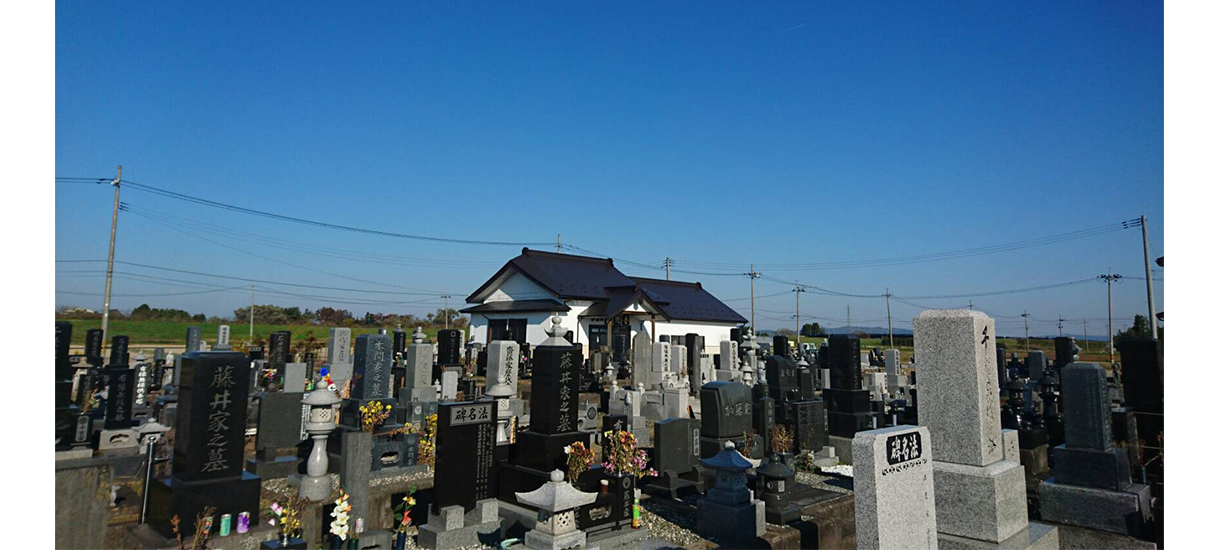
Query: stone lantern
x,y
774,480
320,423
730,510
556,501
1012,417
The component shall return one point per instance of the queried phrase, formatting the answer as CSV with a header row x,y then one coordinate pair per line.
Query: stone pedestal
x,y
895,498
454,527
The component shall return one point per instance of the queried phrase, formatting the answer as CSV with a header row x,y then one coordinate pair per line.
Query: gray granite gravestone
x,y
1092,487
895,499
980,496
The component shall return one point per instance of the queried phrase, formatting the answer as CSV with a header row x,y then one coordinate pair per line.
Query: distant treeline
x,y
276,315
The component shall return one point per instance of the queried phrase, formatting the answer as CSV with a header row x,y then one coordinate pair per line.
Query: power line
x,y
339,253
270,215
249,280
267,258
931,257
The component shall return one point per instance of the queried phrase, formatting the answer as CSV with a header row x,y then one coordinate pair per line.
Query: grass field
x,y
170,333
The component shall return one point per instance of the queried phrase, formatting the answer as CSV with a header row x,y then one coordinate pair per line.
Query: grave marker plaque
x,y
465,454
895,497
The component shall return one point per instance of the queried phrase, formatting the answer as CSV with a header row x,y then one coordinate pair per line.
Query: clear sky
x,y
710,133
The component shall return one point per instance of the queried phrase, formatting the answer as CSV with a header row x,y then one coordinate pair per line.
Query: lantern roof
x,y
556,495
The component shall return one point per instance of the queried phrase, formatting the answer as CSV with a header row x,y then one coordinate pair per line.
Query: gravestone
x,y
194,339
417,399
847,403
980,495
553,405
279,347
675,454
209,436
503,358
371,377
118,351
694,362
339,355
895,499
66,412
295,375
222,338
780,344
279,426
641,358
1092,487
120,384
449,347
93,347
1035,364
464,477
728,413
373,359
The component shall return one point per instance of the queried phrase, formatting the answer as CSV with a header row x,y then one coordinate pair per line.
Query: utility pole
x,y
1026,316
753,275
1110,278
798,290
1061,326
971,303
849,319
890,319
114,226
446,311
558,243
666,269
1086,335
1147,277
251,343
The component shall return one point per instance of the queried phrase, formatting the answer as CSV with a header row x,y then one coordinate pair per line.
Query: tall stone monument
x,y
980,495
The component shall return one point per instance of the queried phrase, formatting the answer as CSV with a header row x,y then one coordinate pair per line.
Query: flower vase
x,y
400,541
336,543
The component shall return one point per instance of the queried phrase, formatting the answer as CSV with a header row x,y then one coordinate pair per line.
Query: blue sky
x,y
784,133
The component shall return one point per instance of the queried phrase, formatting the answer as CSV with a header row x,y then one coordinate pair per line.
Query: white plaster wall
x,y
518,287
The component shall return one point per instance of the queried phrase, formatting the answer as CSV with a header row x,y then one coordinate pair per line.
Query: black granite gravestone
x,y
120,386
209,440
118,350
728,414
279,428
465,447
256,353
280,343
844,362
448,347
372,361
780,344
93,347
194,339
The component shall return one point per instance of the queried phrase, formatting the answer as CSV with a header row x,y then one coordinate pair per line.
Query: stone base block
x,y
1125,512
1035,460
1079,538
842,447
537,539
739,523
380,539
169,497
83,452
985,503
545,451
281,467
455,527
118,442
1037,536
1106,469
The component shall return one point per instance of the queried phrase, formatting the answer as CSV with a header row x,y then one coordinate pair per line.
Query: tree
x,y
1139,329
786,332
812,329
